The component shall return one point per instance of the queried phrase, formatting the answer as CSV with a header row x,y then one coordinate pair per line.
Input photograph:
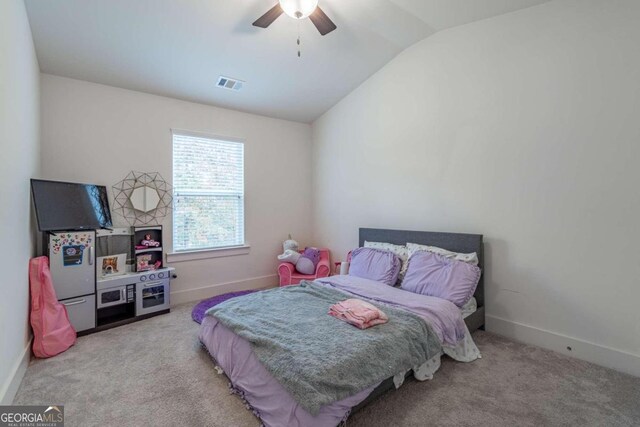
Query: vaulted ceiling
x,y
179,48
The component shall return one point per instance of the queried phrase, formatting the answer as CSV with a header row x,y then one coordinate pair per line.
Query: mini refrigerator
x,y
72,263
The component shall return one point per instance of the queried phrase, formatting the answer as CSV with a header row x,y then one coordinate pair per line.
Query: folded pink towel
x,y
358,313
364,311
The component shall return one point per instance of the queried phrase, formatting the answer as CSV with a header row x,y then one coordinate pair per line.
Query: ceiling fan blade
x,y
267,19
322,21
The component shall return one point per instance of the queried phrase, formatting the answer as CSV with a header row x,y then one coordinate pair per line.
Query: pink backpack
x,y
52,331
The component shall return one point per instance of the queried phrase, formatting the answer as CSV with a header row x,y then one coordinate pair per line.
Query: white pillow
x,y
471,258
400,251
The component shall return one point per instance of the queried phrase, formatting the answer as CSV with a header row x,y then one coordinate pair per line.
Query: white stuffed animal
x,y
290,245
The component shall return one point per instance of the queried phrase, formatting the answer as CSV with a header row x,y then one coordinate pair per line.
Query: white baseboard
x,y
197,294
591,352
11,385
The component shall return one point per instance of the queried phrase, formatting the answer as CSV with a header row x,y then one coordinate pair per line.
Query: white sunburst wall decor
x,y
142,198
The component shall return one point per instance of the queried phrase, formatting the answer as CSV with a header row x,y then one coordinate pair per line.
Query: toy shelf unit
x,y
147,248
132,282
115,301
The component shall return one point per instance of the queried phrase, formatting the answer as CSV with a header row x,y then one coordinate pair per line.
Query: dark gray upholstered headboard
x,y
455,242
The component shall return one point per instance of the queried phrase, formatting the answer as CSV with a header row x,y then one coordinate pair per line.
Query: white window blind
x,y
208,186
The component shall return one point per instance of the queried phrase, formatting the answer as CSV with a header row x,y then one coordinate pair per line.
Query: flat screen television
x,y
70,206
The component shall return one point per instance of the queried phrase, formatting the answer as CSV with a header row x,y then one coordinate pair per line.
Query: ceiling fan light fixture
x,y
298,9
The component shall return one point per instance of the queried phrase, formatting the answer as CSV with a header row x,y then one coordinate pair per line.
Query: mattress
x,y
270,401
256,386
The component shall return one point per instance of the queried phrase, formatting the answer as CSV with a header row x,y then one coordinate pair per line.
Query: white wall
x,y
98,134
525,128
19,142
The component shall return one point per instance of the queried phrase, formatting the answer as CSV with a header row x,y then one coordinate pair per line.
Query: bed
x,y
274,404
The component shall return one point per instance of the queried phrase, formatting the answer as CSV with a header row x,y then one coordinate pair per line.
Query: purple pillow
x,y
434,275
375,264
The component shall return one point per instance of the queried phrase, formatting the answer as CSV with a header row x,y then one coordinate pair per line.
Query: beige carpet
x,y
154,372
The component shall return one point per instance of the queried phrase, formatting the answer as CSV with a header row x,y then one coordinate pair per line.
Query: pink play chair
x,y
289,275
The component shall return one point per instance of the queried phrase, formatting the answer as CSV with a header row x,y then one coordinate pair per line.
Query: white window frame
x,y
219,251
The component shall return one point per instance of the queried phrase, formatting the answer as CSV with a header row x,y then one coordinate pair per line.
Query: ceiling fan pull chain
x,y
299,39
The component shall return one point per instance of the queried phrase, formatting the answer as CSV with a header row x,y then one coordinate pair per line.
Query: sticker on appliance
x,y
72,255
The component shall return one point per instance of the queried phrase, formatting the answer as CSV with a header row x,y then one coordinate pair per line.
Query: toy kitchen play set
x,y
104,276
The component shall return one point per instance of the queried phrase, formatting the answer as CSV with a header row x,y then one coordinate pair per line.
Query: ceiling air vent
x,y
229,83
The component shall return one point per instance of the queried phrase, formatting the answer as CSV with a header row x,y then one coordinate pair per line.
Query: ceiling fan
x,y
298,9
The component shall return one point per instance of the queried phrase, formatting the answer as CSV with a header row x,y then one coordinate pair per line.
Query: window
x,y
208,186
